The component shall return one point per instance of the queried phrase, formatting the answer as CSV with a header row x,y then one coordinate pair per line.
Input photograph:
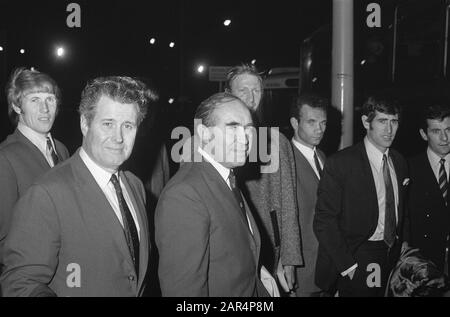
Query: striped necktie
x,y
52,151
443,182
316,161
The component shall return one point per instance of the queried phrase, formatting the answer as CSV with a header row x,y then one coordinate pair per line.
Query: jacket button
x,y
131,278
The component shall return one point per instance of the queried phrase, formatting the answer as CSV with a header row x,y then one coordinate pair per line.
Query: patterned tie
x,y
389,216
237,193
443,182
129,227
52,151
316,161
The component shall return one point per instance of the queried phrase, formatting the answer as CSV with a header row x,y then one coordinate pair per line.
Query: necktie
x,y
443,182
389,216
316,161
52,151
129,226
237,193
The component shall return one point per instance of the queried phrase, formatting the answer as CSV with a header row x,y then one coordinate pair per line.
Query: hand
x,y
289,273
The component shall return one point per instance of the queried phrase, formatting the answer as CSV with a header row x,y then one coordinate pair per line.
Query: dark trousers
x,y
371,276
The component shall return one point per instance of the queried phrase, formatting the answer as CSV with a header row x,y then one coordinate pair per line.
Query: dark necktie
x,y
443,182
237,193
389,216
316,161
52,151
129,227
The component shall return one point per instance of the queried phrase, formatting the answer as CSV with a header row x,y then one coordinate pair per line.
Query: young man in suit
x,y
81,230
309,121
207,239
359,213
428,196
33,100
271,192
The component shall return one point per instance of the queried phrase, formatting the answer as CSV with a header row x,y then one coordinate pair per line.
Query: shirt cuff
x,y
353,267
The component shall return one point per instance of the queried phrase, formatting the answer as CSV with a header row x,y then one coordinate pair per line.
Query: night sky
x,y
114,40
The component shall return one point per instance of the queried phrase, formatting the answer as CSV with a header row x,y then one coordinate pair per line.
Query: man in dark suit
x,y
309,121
207,239
81,229
33,99
270,187
359,212
428,196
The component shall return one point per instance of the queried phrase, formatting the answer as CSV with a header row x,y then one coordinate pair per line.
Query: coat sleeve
x,y
326,220
8,196
182,228
32,246
290,246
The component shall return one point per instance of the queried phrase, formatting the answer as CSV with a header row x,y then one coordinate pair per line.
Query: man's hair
x,y
118,88
242,69
205,111
23,82
434,112
313,100
380,103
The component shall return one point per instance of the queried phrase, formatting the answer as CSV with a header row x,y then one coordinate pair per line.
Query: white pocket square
x,y
406,181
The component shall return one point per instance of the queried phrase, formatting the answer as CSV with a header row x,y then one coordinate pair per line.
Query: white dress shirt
x,y
435,162
376,164
39,140
103,179
308,153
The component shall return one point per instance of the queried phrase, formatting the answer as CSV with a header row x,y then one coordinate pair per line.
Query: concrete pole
x,y
342,67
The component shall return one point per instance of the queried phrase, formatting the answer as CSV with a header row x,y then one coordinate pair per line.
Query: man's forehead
x,y
439,123
38,92
245,80
379,115
231,110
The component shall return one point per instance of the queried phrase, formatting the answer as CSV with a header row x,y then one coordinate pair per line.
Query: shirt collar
x,y
374,154
305,150
101,176
223,171
39,140
435,159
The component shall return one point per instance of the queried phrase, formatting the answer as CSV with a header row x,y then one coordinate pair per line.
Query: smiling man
x,y
81,230
428,199
207,238
33,100
359,218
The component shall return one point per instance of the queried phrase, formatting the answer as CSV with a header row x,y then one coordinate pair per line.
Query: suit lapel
x,y
99,206
304,165
139,207
220,187
368,180
37,153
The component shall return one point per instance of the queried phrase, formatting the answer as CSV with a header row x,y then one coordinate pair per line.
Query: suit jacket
x,y
65,231
429,216
307,184
21,163
204,242
347,210
276,191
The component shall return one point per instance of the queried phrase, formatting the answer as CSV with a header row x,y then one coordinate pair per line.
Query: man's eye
x,y
107,124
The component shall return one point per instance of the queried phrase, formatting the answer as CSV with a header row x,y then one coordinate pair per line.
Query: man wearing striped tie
x,y
33,99
429,191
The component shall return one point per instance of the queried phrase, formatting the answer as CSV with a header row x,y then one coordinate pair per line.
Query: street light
x,y
22,51
172,44
254,62
60,51
171,100
227,22
200,69
152,41
1,48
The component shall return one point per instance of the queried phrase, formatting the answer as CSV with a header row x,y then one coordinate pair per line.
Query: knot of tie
x,y
116,184
442,161
52,151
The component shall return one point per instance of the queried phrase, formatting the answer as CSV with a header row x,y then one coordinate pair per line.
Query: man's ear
x,y
203,132
423,135
16,109
294,123
365,123
84,125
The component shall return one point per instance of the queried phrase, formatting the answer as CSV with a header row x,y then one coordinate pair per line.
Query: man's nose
x,y
118,135
44,106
